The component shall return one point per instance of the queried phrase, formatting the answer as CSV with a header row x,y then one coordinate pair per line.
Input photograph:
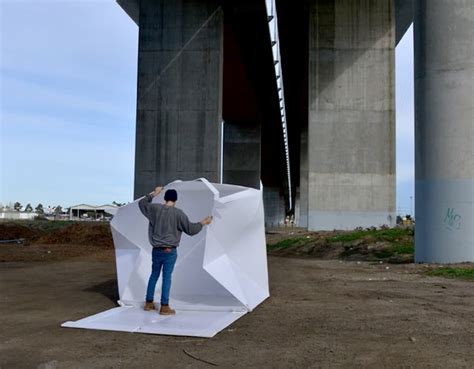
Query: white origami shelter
x,y
220,275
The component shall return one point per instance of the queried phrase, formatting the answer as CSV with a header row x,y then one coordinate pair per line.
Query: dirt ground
x,y
321,313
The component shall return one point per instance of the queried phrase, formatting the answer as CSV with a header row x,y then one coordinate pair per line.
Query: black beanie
x,y
171,195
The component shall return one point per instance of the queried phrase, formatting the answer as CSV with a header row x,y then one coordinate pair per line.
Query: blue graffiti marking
x,y
452,220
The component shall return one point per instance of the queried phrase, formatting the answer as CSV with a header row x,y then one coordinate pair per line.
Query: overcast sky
x,y
68,104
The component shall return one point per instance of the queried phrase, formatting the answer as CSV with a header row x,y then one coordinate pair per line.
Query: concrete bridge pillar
x,y
444,130
179,96
351,125
242,154
303,190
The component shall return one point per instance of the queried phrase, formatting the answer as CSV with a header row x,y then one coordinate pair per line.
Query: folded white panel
x,y
131,319
221,273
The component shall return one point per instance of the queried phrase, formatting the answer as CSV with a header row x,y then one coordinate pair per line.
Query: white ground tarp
x,y
220,275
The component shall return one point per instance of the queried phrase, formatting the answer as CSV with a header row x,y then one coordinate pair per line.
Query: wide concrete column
x,y
351,128
444,130
179,92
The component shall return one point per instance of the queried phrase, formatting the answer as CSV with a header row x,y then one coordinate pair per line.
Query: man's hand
x,y
206,220
157,191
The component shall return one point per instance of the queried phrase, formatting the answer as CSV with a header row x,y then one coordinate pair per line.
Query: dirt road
x,y
321,314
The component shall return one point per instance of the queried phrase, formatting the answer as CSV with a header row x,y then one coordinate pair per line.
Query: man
x,y
167,222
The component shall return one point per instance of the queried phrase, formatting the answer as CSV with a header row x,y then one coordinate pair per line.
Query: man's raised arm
x,y
145,203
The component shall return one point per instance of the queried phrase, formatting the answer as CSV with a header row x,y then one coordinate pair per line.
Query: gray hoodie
x,y
166,223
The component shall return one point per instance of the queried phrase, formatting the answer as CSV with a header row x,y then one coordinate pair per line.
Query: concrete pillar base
x,y
444,221
347,220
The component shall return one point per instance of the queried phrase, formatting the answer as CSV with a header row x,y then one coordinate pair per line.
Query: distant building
x,y
92,212
13,214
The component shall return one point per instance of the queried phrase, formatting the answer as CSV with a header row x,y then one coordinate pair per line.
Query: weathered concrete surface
x,y
242,154
444,130
179,99
303,191
274,202
351,128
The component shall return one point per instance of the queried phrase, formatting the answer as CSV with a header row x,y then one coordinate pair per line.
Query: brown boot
x,y
149,306
166,310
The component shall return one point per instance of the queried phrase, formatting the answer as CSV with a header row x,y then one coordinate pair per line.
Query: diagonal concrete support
x,y
179,102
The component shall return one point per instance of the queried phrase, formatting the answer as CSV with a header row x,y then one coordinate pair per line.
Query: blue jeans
x,y
166,260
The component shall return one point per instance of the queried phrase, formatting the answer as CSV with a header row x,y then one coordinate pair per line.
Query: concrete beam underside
x,y
403,14
350,143
403,17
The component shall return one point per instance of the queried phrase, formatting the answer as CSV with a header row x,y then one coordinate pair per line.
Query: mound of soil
x,y
392,245
53,241
12,231
87,234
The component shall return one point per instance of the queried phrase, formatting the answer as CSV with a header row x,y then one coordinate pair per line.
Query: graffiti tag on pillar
x,y
452,220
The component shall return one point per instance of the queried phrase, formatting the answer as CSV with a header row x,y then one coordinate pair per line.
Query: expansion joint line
x,y
179,53
275,45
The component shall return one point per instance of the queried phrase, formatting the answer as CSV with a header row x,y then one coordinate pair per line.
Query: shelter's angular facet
x,y
220,275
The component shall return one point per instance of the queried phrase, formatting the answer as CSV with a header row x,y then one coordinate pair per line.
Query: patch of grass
x,y
51,225
395,250
389,234
394,244
392,234
385,253
403,249
349,237
448,272
283,244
